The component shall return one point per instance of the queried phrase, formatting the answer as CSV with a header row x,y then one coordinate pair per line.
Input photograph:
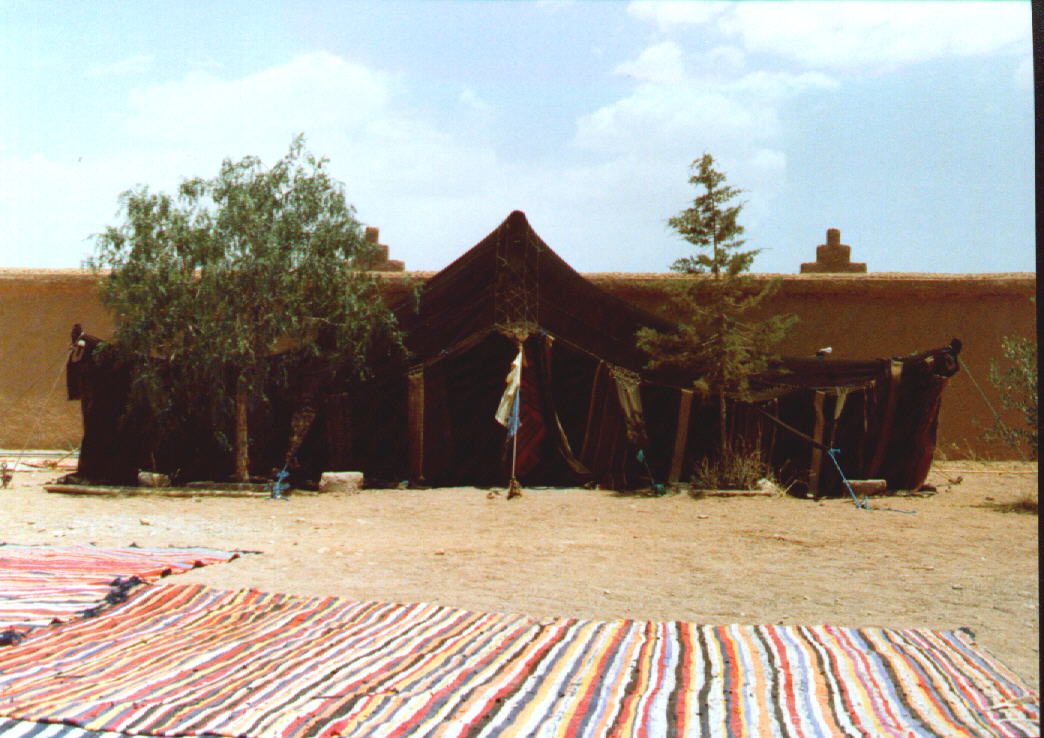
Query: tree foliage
x,y
1017,384
719,339
232,269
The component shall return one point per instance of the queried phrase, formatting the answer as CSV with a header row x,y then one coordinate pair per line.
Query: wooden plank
x,y
115,491
681,436
867,487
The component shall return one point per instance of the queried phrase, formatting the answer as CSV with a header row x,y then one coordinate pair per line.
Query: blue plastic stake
x,y
278,485
863,504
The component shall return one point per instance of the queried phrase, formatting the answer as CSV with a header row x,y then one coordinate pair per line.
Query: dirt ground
x,y
955,559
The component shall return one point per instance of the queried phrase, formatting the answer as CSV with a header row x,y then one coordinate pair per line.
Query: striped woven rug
x,y
23,729
43,584
191,660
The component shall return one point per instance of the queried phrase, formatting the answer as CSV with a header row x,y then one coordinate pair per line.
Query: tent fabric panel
x,y
338,420
380,445
415,423
578,311
102,388
513,263
459,427
661,412
605,449
577,472
790,371
446,320
893,383
571,385
454,304
913,439
531,432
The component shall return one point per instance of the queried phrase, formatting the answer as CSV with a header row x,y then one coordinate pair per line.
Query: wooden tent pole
x,y
514,488
514,457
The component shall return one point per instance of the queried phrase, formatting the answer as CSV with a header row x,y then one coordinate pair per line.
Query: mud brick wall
x,y
859,315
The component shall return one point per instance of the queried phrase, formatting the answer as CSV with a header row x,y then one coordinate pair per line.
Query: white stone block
x,y
343,481
152,479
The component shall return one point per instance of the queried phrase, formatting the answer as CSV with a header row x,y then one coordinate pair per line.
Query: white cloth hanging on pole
x,y
508,411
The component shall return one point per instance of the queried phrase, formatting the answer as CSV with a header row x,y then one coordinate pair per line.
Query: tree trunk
x,y
242,443
723,380
723,441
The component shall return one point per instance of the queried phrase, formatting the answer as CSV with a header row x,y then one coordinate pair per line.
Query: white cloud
x,y
672,14
354,115
390,158
130,65
1024,73
645,141
670,112
313,91
666,120
777,87
472,100
853,34
720,62
840,35
554,5
661,64
51,209
681,107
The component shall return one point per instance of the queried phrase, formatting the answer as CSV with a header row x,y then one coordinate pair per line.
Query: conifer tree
x,y
718,339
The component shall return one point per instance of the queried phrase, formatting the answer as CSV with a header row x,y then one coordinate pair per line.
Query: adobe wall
x,y
859,315
37,309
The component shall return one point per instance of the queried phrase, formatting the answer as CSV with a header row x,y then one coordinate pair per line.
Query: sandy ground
x,y
953,560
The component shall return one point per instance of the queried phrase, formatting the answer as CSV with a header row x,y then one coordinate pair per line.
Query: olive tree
x,y
1017,382
227,271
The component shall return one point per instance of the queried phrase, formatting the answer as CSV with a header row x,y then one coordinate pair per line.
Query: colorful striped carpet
x,y
43,584
23,729
191,660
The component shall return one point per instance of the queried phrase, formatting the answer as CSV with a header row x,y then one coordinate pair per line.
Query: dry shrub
x,y
734,467
1027,505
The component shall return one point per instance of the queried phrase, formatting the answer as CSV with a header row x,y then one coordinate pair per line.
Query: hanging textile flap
x,y
531,428
895,372
628,392
561,439
509,400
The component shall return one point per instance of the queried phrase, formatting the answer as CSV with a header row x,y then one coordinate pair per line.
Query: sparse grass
x,y
1025,505
732,468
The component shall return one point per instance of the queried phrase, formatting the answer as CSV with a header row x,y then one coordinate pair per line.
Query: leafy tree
x,y
718,339
214,280
1017,383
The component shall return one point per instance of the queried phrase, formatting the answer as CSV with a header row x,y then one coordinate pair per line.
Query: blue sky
x,y
907,125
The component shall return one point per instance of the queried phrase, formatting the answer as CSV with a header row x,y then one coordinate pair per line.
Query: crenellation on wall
x,y
833,256
381,262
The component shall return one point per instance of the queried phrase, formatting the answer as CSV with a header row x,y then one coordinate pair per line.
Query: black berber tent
x,y
589,411
581,418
